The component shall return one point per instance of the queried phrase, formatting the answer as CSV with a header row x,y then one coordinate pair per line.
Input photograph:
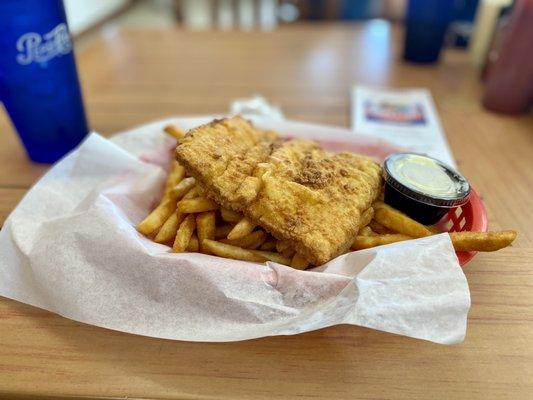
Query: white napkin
x,y
71,247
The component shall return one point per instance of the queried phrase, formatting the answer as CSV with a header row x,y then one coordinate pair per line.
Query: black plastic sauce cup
x,y
422,187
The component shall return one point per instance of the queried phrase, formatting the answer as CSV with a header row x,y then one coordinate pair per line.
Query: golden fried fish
x,y
293,189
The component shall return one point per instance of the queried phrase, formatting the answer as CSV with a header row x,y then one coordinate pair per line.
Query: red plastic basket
x,y
471,216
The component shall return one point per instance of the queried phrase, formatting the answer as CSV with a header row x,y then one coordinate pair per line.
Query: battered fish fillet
x,y
293,189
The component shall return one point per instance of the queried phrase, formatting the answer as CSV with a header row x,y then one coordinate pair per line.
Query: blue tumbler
x,y
39,84
426,24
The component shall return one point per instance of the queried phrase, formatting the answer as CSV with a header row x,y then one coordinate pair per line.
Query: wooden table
x,y
132,77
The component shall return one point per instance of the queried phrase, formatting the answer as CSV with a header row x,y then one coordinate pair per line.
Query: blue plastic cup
x,y
426,25
39,84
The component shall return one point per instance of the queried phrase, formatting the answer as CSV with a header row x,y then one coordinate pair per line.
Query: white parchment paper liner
x,y
70,247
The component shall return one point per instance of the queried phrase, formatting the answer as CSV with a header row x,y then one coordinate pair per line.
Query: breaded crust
x,y
293,189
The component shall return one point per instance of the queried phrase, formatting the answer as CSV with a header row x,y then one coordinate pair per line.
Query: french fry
x,y
197,205
270,244
230,215
367,231
482,241
174,131
222,231
184,233
281,246
176,175
200,190
434,229
366,242
399,222
251,241
183,187
366,217
169,228
205,227
191,194
193,245
299,262
157,217
273,256
258,241
378,228
241,229
229,251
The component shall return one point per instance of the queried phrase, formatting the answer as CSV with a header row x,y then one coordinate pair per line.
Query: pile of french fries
x,y
191,222
389,225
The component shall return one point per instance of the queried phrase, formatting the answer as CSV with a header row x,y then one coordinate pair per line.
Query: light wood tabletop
x,y
133,77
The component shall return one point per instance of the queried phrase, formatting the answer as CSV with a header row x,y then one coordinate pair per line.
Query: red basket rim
x,y
479,224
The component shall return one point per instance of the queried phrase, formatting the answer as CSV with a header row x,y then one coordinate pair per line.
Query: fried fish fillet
x,y
293,189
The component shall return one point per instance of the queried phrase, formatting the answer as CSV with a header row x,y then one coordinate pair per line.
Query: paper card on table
x,y
404,117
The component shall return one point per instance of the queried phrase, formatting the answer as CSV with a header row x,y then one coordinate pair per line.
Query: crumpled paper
x,y
256,106
71,247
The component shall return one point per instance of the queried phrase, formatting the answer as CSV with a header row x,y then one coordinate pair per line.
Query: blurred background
x,y
481,48
245,14
475,26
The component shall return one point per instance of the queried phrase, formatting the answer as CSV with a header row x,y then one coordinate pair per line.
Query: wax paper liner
x,y
71,247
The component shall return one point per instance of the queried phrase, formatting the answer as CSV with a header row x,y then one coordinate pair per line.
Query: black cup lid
x,y
426,179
